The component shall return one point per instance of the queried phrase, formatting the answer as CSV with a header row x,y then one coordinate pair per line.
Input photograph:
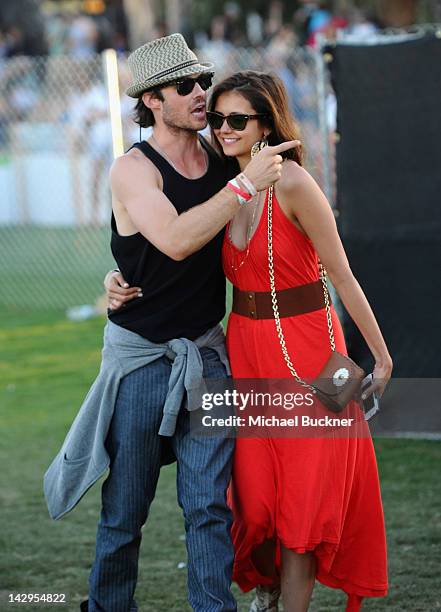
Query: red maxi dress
x,y
308,494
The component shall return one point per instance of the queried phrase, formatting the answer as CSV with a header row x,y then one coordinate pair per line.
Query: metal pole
x,y
110,60
327,186
322,120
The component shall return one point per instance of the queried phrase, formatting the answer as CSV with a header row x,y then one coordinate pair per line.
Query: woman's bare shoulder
x,y
293,176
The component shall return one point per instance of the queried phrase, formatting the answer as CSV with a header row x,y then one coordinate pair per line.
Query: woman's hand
x,y
265,168
118,291
381,375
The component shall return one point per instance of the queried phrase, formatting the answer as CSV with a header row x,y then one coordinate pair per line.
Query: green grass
x,y
52,267
46,367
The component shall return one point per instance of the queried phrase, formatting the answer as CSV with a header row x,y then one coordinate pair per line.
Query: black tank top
x,y
181,299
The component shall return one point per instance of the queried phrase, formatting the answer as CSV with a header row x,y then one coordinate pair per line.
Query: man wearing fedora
x,y
171,198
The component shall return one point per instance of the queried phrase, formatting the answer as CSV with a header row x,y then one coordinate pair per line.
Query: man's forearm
x,y
178,236
191,230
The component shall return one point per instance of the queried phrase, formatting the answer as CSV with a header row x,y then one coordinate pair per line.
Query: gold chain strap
x,y
323,275
275,305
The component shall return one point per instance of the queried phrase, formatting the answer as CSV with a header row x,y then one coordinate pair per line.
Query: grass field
x,y
46,367
52,267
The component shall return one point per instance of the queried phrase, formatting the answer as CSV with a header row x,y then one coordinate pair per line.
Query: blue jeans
x,y
203,473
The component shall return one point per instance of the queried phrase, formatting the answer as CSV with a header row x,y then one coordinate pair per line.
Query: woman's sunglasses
x,y
186,86
236,121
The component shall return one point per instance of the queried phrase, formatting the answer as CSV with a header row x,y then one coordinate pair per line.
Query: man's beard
x,y
177,123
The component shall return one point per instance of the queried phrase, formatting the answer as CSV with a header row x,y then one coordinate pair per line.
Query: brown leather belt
x,y
293,301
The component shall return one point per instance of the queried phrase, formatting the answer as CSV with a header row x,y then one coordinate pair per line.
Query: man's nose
x,y
198,91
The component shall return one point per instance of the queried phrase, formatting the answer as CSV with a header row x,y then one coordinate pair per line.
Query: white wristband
x,y
247,184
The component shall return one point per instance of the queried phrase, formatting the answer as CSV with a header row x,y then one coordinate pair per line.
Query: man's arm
x,y
135,187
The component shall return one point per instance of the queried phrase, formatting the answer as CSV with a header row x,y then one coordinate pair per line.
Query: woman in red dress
x,y
304,508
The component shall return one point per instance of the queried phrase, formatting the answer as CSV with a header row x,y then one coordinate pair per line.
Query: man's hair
x,y
142,115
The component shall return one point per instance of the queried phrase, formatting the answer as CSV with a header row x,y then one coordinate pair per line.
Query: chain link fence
x,y
55,153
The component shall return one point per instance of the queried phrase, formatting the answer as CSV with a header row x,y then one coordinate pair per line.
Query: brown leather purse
x,y
340,380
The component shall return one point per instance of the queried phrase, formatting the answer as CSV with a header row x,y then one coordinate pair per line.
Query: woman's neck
x,y
243,161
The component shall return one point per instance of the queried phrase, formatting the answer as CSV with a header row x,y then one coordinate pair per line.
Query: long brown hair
x,y
266,94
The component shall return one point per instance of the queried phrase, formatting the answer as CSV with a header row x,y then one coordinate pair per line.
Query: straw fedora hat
x,y
161,61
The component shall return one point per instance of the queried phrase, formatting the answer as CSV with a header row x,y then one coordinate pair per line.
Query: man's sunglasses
x,y
236,121
186,86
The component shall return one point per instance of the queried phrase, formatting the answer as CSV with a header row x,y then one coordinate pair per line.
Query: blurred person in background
x,y
310,17
234,32
277,53
21,82
57,27
3,44
4,121
283,42
217,49
160,30
274,21
91,130
15,42
131,131
360,24
23,25
254,28
119,42
82,37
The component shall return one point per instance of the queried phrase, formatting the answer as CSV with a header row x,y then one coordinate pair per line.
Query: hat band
x,y
159,75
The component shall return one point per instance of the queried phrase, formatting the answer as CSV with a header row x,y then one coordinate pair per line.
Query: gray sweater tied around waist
x,y
83,458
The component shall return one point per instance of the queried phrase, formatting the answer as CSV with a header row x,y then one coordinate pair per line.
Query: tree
x,y
141,19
